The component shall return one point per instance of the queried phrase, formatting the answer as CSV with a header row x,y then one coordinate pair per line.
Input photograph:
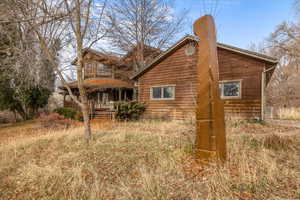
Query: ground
x,y
147,160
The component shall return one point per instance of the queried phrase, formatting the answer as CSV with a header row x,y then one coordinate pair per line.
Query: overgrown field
x,y
147,160
289,113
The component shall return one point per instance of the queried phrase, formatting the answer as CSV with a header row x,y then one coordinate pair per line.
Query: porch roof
x,y
101,83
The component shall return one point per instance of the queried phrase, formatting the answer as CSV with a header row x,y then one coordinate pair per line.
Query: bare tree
x,y
22,66
284,43
73,22
137,23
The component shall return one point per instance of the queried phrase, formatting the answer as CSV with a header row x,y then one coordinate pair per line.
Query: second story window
x,y
103,70
88,68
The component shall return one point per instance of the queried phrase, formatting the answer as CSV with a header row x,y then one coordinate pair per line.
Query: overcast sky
x,y
240,22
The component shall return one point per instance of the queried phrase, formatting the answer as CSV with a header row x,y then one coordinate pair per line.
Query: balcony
x,y
104,72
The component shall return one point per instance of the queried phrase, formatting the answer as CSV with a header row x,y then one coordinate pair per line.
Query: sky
x,y
239,22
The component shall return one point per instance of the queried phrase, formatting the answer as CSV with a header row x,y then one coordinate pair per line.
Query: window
x,y
163,93
230,89
88,68
103,69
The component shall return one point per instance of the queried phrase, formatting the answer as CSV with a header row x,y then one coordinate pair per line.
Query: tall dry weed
x,y
149,160
289,113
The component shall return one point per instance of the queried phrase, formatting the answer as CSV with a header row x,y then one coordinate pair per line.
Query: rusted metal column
x,y
210,128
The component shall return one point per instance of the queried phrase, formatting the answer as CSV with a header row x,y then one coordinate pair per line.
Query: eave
x,y
184,40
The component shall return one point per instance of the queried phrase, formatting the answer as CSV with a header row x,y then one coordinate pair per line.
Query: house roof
x,y
187,38
108,59
147,51
101,83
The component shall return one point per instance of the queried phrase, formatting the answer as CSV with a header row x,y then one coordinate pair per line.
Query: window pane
x,y
156,93
101,67
231,89
168,92
103,70
88,68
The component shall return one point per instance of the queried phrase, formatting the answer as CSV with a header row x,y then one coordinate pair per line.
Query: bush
x,y
54,120
79,116
129,111
67,112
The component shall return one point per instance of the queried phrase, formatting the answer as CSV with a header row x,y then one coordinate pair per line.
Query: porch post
x,y
120,94
125,95
134,94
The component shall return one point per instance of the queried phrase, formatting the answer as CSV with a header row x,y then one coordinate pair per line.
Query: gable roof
x,y
103,57
187,38
148,50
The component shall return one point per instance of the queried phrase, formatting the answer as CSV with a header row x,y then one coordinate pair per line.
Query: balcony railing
x,y
106,72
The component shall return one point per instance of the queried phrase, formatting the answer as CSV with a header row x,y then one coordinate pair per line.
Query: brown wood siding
x,y
180,70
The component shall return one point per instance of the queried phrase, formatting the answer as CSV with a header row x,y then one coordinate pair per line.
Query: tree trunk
x,y
80,67
83,97
86,119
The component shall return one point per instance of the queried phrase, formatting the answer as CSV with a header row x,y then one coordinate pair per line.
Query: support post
x,y
210,123
120,94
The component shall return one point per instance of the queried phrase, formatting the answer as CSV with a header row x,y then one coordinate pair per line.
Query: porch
x,y
102,102
102,97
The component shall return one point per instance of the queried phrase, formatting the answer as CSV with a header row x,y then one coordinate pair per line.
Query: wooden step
x,y
102,115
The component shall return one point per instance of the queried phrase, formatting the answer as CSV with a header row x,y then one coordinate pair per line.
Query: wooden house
x,y
107,80
168,83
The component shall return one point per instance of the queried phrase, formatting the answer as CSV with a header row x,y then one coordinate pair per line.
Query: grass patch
x,y
149,160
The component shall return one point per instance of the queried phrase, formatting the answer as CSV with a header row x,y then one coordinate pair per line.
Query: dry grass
x,y
289,113
150,160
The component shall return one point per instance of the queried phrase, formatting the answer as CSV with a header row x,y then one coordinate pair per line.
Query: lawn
x,y
147,160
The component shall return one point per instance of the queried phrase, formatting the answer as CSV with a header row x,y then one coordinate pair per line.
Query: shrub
x,y
54,120
79,116
67,112
3,120
129,111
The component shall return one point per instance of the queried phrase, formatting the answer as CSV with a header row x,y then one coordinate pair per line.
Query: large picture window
x,y
162,93
230,89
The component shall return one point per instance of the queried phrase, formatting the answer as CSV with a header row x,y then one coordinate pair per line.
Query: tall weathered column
x,y
210,130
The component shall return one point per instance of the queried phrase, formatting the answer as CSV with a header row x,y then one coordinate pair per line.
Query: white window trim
x,y
162,86
231,97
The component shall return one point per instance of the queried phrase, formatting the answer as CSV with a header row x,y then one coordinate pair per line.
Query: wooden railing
x,y
106,72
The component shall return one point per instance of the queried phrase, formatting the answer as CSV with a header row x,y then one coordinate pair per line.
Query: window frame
x,y
86,72
162,92
105,72
221,83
